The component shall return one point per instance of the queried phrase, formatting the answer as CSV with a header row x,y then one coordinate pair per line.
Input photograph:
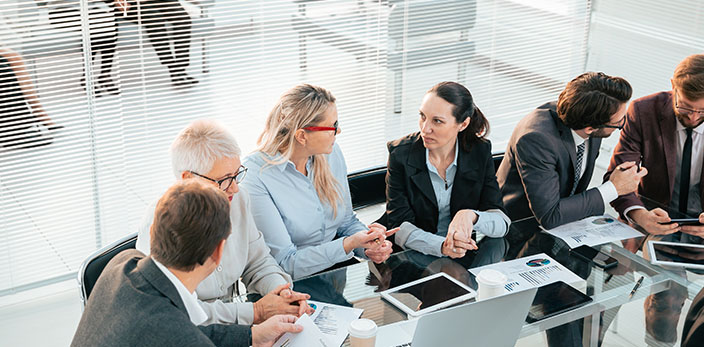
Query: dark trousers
x,y
167,24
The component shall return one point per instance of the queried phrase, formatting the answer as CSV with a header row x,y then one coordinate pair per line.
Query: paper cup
x,y
491,283
362,333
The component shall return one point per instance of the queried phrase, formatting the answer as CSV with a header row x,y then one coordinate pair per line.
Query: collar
x,y
578,140
699,129
454,162
190,300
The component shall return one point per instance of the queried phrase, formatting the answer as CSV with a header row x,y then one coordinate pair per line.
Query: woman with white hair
x,y
300,195
206,150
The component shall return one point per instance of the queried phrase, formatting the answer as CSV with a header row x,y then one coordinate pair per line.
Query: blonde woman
x,y
298,185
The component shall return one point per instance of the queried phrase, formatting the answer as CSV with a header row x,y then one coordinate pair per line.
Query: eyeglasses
x,y
334,127
226,182
686,110
619,126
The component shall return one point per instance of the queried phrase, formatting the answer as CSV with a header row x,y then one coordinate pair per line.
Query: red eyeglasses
x,y
332,128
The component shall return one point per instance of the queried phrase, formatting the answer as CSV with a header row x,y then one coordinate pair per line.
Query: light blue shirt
x,y
492,223
443,190
301,230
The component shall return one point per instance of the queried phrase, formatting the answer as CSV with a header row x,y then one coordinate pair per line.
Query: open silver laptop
x,y
495,322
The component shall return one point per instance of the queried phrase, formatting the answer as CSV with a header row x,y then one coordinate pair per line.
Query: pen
x,y
640,280
608,278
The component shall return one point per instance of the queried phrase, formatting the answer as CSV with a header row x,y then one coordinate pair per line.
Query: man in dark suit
x,y
693,332
150,301
665,129
550,157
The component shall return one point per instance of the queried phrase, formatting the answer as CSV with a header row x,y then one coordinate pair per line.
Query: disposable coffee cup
x,y
491,283
362,333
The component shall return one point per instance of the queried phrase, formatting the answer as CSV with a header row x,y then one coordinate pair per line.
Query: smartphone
x,y
600,259
553,299
684,221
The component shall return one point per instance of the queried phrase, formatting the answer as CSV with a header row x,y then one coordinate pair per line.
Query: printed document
x,y
309,337
593,231
532,271
333,320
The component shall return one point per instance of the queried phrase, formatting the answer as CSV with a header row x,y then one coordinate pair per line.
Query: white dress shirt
x,y
190,300
694,204
246,255
607,189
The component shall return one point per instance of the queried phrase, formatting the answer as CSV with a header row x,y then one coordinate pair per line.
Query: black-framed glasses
x,y
687,110
225,183
334,127
619,126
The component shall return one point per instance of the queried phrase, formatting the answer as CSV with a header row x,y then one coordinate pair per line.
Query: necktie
x,y
684,171
578,166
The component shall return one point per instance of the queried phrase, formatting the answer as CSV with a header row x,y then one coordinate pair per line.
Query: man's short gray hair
x,y
199,145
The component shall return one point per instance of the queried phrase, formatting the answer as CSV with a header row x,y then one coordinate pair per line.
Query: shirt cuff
x,y
629,209
608,192
339,254
245,313
492,223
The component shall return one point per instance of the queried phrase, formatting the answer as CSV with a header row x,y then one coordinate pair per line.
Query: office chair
x,y
93,266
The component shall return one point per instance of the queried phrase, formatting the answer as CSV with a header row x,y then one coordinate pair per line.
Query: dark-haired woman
x,y
441,183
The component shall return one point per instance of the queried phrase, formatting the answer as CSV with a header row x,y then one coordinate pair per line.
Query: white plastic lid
x,y
362,328
492,277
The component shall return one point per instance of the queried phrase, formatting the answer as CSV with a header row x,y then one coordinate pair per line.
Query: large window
x,y
62,200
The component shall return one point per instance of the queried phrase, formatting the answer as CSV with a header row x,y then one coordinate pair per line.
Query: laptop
x,y
495,322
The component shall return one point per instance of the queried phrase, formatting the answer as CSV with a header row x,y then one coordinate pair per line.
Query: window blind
x,y
89,183
643,41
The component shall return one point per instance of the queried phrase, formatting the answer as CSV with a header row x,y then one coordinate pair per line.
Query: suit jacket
x,y
693,331
650,131
134,304
536,175
409,192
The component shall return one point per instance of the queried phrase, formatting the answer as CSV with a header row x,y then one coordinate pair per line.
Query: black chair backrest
x,y
497,158
93,266
367,187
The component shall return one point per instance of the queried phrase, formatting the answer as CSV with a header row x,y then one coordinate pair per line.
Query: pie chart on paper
x,y
538,262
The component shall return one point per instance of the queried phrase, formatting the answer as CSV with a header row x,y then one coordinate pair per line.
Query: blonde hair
x,y
301,106
199,145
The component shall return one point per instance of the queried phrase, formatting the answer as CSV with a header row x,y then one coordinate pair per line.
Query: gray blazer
x,y
537,173
134,304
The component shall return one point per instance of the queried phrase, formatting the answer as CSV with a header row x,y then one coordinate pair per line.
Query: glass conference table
x,y
358,285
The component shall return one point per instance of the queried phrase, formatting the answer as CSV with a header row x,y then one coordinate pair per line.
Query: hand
x,y
457,244
626,177
277,302
303,306
696,230
265,334
380,253
463,221
372,238
649,220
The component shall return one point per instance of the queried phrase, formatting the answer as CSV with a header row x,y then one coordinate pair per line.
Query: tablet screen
x,y
428,293
555,298
685,254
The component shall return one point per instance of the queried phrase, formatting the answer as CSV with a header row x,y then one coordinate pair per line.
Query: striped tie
x,y
578,167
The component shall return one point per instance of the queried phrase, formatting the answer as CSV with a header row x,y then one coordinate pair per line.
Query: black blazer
x,y
134,304
409,192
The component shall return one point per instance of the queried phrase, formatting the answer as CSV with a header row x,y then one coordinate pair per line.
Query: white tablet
x,y
428,294
687,255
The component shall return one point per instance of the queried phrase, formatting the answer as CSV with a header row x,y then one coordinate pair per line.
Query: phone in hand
x,y
684,221
600,259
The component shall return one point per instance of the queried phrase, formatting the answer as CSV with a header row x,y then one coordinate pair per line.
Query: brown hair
x,y
591,99
190,220
300,107
689,77
460,97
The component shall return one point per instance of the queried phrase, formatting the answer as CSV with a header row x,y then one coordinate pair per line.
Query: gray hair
x,y
199,145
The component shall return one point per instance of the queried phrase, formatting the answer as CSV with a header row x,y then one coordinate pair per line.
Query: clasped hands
x,y
459,235
282,300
